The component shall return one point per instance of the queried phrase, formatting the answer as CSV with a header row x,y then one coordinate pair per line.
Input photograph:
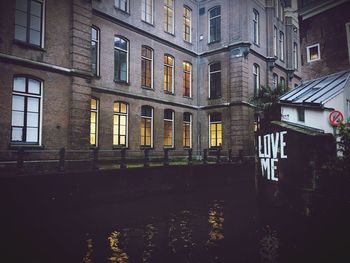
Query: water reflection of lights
x,y
88,256
149,234
269,245
118,255
216,221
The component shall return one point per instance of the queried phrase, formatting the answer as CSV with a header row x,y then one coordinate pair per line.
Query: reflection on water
x,y
88,256
149,236
269,245
216,222
118,255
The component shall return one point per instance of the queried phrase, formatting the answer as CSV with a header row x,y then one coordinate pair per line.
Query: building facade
x,y
324,37
112,74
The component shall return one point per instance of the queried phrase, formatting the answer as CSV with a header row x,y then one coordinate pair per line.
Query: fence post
x,y
62,154
230,155
166,157
95,159
146,158
20,160
218,153
240,155
205,156
123,157
189,156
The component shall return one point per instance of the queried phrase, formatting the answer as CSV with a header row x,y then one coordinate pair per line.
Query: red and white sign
x,y
335,118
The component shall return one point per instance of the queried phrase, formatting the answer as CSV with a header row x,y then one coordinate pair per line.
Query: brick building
x,y
122,73
324,37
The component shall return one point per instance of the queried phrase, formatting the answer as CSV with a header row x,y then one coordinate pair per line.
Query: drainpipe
x,y
199,133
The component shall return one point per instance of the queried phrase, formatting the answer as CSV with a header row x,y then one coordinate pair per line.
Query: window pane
x,y
33,104
123,107
32,134
18,103
93,104
19,84
17,134
34,37
32,119
21,5
20,33
35,23
21,18
35,8
17,118
33,86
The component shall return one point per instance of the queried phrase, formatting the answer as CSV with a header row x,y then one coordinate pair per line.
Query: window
x,y
187,24
146,126
283,83
214,24
275,41
168,139
281,46
121,66
122,5
295,55
147,11
168,74
215,80
256,78
187,130
187,79
256,26
26,111
301,114
94,104
120,124
215,130
169,16
146,67
95,51
313,53
274,81
276,4
29,21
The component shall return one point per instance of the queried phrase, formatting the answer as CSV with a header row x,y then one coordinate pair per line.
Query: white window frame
x,y
214,72
150,118
295,56
185,18
256,79
281,48
256,27
308,52
97,42
275,49
172,120
215,122
126,126
152,59
166,17
190,124
172,66
190,73
117,5
209,21
96,121
144,11
127,57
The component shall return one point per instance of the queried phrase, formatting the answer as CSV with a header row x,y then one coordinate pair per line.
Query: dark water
x,y
208,225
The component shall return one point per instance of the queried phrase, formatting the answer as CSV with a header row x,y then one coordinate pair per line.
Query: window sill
x,y
15,146
147,88
169,93
216,98
187,97
168,147
122,11
120,147
214,42
256,44
187,42
170,33
28,45
122,82
96,77
147,23
146,147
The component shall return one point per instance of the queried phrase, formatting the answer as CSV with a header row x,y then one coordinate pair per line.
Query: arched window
x,y
187,130
147,11
169,16
146,67
187,34
187,79
215,130
94,108
26,111
168,74
256,27
274,81
214,24
146,126
121,59
256,78
214,80
120,124
168,138
95,51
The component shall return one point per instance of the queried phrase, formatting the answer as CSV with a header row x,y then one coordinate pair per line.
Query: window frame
x,y
216,146
144,11
295,56
283,83
98,51
301,114
143,121
256,78
96,120
172,121
119,114
143,58
281,45
168,90
28,22
308,52
185,25
117,49
189,124
218,93
256,27
274,81
117,6
27,95
210,19
167,7
185,73
275,42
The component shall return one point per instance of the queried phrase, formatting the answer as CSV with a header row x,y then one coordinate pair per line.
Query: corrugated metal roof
x,y
300,128
317,91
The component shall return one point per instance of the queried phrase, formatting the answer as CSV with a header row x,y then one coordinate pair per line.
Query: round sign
x,y
335,118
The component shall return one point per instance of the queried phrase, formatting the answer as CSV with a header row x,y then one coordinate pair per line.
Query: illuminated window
x,y
275,41
168,74
168,140
147,67
120,124
274,81
26,111
187,24
122,5
282,83
147,11
256,78
187,130
313,53
95,51
295,55
29,21
187,79
169,16
146,126
121,66
215,80
256,26
281,45
215,24
215,130
94,122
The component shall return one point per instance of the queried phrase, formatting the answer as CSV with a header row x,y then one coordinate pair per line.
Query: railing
x,y
24,160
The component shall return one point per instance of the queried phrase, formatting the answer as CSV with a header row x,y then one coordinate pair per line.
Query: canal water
x,y
213,224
